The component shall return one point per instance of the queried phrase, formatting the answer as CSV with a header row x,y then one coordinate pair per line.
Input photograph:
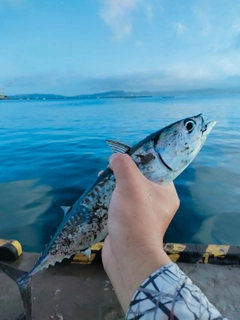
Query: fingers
x,y
122,165
125,170
130,179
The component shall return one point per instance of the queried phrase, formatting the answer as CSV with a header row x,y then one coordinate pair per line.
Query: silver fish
x,y
161,157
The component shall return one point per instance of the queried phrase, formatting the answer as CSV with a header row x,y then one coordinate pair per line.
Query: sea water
x,y
50,151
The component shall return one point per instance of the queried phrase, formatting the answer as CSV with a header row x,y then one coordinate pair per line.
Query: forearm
x,y
169,294
132,268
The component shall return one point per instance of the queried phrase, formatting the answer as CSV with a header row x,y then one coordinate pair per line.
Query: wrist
x,y
127,272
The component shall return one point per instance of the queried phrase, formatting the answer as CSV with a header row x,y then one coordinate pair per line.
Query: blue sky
x,y
86,46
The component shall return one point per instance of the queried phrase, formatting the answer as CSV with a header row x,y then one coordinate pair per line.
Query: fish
x,y
161,157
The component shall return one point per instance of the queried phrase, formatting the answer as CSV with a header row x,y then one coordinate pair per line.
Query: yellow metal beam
x,y
173,250
215,251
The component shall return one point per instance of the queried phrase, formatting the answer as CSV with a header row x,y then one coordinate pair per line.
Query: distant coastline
x,y
120,94
102,95
3,97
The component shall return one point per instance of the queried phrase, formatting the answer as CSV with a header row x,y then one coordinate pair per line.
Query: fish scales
x,y
85,225
161,157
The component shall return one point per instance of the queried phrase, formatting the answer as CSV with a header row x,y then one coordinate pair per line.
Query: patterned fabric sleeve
x,y
168,294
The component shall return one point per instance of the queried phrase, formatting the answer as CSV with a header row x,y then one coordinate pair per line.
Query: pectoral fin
x,y
118,147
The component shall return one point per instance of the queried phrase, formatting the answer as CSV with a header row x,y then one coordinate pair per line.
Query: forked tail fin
x,y
23,281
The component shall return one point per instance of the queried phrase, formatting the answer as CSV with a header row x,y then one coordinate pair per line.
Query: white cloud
x,y
203,15
229,65
236,26
117,15
180,27
149,11
151,8
139,44
189,72
178,77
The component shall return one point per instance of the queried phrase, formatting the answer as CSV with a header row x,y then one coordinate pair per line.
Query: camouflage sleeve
x,y
169,294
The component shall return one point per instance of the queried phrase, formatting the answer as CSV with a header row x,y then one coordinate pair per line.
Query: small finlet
x,y
87,253
118,147
66,209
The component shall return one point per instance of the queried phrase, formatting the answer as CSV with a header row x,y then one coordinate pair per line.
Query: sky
x,y
75,47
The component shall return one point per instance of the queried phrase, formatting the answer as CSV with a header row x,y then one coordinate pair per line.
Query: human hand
x,y
139,214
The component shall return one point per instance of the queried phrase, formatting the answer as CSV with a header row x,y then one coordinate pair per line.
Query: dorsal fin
x,y
66,209
118,147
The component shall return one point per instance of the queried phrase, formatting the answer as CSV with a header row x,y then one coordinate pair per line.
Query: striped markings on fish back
x,y
96,204
81,215
94,193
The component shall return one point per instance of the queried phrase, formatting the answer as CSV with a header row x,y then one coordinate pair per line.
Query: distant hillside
x,y
126,94
114,94
110,94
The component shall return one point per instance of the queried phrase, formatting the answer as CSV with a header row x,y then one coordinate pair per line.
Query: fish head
x,y
179,143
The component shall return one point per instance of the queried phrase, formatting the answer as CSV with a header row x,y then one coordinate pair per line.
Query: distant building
x,y
3,97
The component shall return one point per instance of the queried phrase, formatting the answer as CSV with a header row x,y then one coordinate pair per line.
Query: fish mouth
x,y
208,127
205,128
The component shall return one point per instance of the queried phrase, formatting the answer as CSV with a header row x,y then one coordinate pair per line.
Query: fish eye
x,y
189,124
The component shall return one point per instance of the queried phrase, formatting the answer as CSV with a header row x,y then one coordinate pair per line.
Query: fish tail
x,y
23,281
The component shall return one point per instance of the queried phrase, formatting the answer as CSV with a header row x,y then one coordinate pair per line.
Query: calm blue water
x,y
50,151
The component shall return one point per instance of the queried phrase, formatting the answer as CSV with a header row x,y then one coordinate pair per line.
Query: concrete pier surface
x,y
72,291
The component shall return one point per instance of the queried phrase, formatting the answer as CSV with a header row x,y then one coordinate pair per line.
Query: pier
x,y
80,289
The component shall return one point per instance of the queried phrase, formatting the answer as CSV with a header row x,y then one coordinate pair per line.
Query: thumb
x,y
125,170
